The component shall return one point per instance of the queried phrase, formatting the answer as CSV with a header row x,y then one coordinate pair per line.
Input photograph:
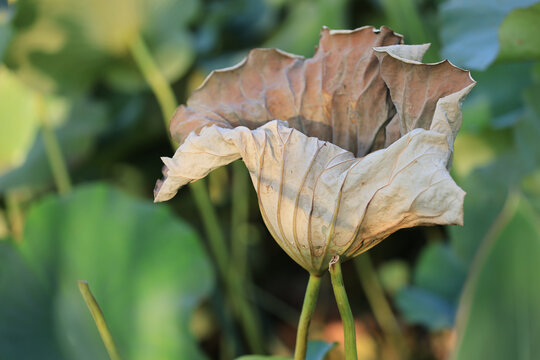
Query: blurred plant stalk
x,y
379,304
405,18
57,161
232,273
15,215
99,320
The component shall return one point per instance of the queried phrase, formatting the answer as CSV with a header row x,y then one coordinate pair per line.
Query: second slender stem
x,y
344,308
378,302
53,150
310,300
159,85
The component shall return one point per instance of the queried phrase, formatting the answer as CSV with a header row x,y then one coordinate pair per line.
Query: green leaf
x,y
470,29
438,278
146,268
420,306
77,135
499,96
499,314
518,35
18,120
440,271
25,318
316,350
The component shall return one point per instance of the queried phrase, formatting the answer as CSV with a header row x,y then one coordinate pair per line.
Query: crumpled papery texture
x,y
316,198
361,90
363,149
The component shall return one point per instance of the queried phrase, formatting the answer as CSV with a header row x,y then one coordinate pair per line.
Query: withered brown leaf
x,y
364,151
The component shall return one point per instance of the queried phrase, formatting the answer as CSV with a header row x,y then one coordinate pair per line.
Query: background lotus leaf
x,y
138,260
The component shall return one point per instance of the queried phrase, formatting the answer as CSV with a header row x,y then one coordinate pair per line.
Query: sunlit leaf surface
x,y
18,120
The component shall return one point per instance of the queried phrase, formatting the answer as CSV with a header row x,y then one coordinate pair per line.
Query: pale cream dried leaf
x,y
316,198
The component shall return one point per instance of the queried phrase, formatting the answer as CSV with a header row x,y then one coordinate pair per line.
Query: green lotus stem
x,y
235,289
378,302
344,308
310,300
99,320
53,150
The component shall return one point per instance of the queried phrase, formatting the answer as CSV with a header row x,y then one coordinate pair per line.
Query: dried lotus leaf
x,y
316,198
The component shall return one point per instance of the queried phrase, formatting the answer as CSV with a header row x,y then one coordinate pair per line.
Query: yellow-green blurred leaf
x,y
18,120
471,151
78,124
518,35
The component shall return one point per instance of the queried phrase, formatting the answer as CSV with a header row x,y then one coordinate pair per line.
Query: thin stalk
x,y
246,313
14,215
235,289
211,224
99,319
344,308
153,76
239,247
234,286
275,306
310,300
239,217
404,15
54,152
378,302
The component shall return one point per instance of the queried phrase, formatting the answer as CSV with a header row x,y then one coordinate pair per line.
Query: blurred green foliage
x,y
67,64
139,259
316,350
502,295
